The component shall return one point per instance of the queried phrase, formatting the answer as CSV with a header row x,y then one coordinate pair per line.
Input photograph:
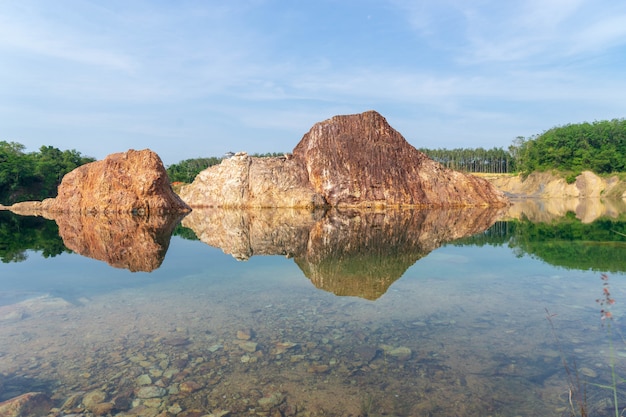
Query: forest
x,y
34,175
599,147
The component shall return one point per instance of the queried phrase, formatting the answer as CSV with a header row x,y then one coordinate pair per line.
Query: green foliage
x,y
570,177
268,155
495,160
599,147
36,175
185,171
18,234
184,232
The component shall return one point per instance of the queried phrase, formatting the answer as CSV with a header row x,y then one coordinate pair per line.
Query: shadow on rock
x,y
349,252
133,242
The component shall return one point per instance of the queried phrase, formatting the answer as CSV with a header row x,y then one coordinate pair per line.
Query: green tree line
x,y
34,175
496,160
185,171
567,242
20,234
599,147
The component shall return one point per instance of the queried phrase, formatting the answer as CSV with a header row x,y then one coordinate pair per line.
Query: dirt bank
x,y
545,185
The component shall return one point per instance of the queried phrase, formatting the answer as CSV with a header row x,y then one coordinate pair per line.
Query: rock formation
x,y
128,182
356,160
244,181
354,252
359,160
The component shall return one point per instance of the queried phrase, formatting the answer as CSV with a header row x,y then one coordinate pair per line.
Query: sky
x,y
200,78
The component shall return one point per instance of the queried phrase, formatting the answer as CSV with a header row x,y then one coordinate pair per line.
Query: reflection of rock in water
x,y
356,253
244,233
587,210
137,243
362,253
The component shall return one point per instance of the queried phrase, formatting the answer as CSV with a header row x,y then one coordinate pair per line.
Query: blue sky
x,y
201,78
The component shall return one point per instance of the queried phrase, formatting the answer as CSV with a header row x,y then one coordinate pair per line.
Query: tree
x,y
599,146
185,171
29,176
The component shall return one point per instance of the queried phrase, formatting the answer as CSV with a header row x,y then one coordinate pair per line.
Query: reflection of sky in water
x,y
472,317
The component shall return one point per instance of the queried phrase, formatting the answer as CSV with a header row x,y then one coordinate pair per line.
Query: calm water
x,y
335,314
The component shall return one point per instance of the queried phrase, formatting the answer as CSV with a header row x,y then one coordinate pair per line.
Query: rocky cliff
x,y
128,182
355,160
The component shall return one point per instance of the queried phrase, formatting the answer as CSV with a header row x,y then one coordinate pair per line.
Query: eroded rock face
x,y
244,181
128,182
359,160
356,160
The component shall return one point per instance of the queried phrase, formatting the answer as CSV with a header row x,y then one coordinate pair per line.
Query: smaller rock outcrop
x,y
127,182
243,181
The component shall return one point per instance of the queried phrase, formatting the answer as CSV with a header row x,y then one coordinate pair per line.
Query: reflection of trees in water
x,y
566,242
19,234
137,243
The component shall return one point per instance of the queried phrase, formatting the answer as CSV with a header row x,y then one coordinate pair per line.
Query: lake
x,y
477,312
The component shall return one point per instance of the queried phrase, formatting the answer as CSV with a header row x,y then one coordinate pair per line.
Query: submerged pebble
x,y
151,391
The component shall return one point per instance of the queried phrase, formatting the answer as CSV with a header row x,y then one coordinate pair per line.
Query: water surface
x,y
309,314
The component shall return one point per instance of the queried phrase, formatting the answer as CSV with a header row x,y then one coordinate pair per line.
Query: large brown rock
x,y
249,182
356,160
32,404
128,182
359,160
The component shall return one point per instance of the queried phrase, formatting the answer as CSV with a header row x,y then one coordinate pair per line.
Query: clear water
x,y
470,328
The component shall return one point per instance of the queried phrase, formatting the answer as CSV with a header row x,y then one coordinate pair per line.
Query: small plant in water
x,y
605,302
577,391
